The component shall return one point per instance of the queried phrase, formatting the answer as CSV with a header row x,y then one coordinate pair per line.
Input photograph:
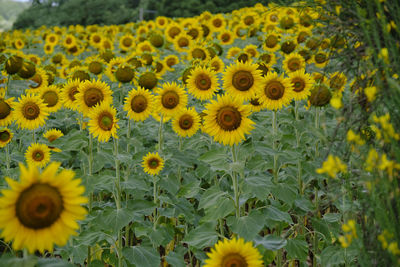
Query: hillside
x,y
9,10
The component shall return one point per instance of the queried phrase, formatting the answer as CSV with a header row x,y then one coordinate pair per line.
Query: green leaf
x,y
221,209
142,256
141,207
258,185
270,242
53,262
10,260
114,219
210,197
175,259
284,192
247,226
217,158
203,236
297,249
277,215
332,256
190,189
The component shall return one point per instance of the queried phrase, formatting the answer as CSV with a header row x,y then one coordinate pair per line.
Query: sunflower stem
x,y
118,197
7,151
33,136
160,136
8,82
155,201
316,121
235,182
315,245
299,178
90,162
179,167
275,145
128,136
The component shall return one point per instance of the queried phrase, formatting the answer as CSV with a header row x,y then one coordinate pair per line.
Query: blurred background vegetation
x,y
9,10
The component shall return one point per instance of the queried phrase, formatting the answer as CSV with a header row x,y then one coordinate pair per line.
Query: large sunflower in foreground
x,y
6,110
170,99
152,163
139,104
103,122
276,92
202,83
242,80
235,252
302,83
91,93
30,112
226,120
37,155
186,123
42,208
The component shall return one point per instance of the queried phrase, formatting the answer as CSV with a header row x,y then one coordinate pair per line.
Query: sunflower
x,y
276,92
302,83
170,99
113,66
216,64
41,209
152,163
139,104
38,81
202,83
126,42
145,46
5,137
337,82
198,52
148,80
320,59
124,73
303,34
293,62
68,94
52,135
159,67
173,29
182,42
226,120
235,252
288,45
186,123
217,23
48,49
18,44
30,112
91,93
271,42
69,41
251,50
161,22
242,80
226,37
37,155
170,61
51,97
233,52
250,18
95,64
6,109
103,122
52,39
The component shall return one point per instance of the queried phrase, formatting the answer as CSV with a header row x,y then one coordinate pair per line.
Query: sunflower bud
x,y
320,95
27,70
156,40
124,74
288,47
186,73
14,64
81,75
148,80
107,56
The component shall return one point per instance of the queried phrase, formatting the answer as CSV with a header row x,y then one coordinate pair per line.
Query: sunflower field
x,y
267,136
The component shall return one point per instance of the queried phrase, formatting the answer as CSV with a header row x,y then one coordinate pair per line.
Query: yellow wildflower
x,y
332,166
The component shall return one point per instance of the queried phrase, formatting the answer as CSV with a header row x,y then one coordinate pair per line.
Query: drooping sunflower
x,y
148,80
186,123
302,83
6,110
202,83
30,112
68,94
139,104
113,66
95,65
91,93
276,92
42,208
5,137
170,61
227,120
235,252
242,80
103,122
337,82
170,99
52,135
293,62
51,97
152,163
37,155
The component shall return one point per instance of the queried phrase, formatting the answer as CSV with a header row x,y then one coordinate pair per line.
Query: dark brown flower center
x,y
39,206
30,110
95,67
242,80
127,42
183,42
106,121
92,97
148,80
5,109
174,31
271,41
287,23
193,32
217,22
203,82
185,122
38,155
225,37
255,102
51,138
72,92
124,74
153,163
96,39
320,58
294,64
171,61
4,136
170,99
37,79
248,20
199,53
288,47
298,84
229,118
234,260
139,103
274,90
50,98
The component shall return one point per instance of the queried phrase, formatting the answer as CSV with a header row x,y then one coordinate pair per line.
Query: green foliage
x,y
9,10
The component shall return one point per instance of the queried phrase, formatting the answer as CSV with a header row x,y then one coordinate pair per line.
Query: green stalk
x,y
118,198
235,182
274,145
90,163
128,136
8,82
155,201
316,121
160,136
179,167
7,151
315,245
299,178
33,136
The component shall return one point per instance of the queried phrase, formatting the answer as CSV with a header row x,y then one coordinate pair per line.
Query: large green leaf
x,y
203,236
142,256
297,248
270,242
247,226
